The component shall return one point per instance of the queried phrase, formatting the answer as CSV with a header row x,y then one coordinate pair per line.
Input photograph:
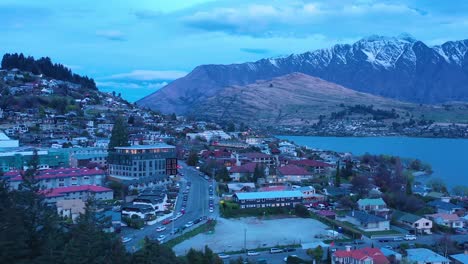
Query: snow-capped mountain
x,y
396,67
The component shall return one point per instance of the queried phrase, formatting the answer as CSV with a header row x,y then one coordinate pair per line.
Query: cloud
x,y
148,14
288,18
115,35
147,75
131,85
255,51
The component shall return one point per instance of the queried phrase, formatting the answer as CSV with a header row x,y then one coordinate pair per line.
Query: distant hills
x,y
401,68
293,99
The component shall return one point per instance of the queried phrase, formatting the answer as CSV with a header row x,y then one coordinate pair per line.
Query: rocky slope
x,y
401,68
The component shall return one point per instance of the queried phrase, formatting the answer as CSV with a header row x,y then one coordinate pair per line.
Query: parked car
x,y
211,209
196,221
398,239
289,249
126,239
358,242
161,238
290,256
160,228
223,256
252,253
166,221
410,237
189,224
275,250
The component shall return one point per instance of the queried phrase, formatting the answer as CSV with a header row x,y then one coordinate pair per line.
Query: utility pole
x,y
245,240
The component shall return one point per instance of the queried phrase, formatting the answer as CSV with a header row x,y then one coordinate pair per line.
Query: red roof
x,y
218,153
363,253
57,173
256,155
310,163
56,192
246,168
293,170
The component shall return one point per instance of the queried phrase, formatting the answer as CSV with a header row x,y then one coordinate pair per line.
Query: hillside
x,y
293,99
396,67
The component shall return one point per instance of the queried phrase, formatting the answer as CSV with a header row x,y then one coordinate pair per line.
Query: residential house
x,y
371,205
367,222
70,209
461,258
245,170
313,166
241,187
418,223
293,173
359,256
309,193
449,220
388,253
157,200
268,199
447,208
425,256
258,157
143,211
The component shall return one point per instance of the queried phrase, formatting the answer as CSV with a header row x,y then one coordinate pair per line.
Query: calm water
x,y
448,157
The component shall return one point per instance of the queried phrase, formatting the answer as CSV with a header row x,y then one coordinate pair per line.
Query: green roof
x,y
365,202
406,217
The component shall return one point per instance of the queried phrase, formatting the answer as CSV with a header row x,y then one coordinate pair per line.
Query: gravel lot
x,y
229,234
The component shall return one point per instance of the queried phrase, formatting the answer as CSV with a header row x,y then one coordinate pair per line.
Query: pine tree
x,y
119,137
337,175
409,189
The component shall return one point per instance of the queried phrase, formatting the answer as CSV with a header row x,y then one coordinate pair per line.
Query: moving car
x,y
160,228
252,253
223,256
126,239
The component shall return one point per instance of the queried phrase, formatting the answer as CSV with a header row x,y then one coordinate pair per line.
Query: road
x,y
270,258
196,207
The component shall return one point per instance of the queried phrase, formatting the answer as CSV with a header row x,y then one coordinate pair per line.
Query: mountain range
x,y
401,68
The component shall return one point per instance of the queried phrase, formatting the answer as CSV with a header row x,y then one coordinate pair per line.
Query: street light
x,y
245,240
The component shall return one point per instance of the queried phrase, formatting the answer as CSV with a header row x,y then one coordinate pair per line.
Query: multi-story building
x,y
268,199
19,158
83,192
6,142
142,164
64,177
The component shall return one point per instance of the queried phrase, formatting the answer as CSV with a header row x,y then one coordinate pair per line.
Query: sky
x,y
136,47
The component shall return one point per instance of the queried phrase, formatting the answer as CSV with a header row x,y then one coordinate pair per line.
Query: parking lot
x,y
229,234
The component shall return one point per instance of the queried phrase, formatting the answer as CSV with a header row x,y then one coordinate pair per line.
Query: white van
x,y
275,250
410,237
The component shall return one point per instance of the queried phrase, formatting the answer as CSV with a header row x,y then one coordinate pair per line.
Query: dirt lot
x,y
229,234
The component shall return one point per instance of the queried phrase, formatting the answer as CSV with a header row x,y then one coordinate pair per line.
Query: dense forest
x,y
45,66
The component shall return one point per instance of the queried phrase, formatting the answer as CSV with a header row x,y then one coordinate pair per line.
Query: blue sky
x,y
138,46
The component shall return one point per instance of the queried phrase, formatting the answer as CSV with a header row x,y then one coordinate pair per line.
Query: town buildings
x,y
359,256
425,256
142,164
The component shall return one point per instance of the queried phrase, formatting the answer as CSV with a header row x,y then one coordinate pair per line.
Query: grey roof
x,y
406,217
365,218
424,255
443,205
268,195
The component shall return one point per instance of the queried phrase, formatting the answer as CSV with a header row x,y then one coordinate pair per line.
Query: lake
x,y
448,157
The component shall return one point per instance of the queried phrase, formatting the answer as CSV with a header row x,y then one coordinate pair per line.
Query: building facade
x,y
142,162
268,199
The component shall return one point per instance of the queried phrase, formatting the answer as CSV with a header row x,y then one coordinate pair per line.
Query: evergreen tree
x,y
337,175
409,189
119,137
192,159
222,175
259,172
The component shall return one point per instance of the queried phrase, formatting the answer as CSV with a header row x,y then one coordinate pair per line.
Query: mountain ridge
x,y
401,68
